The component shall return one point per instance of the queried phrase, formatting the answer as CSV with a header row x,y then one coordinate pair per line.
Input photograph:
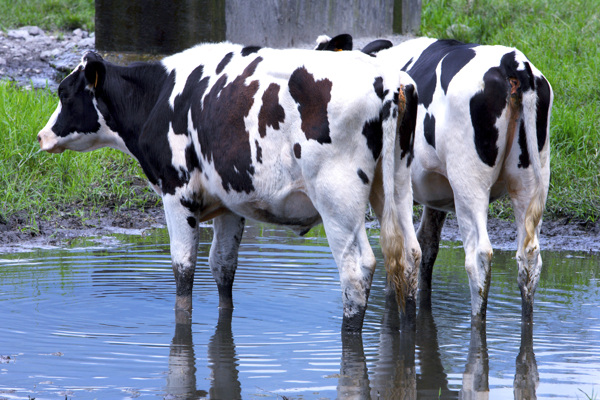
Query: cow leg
x,y
356,264
529,259
183,234
223,258
472,219
429,234
342,208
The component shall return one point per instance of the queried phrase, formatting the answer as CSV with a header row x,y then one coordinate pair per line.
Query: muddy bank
x,y
34,58
58,230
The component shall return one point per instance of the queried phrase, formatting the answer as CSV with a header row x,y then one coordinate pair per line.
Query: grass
x,y
561,37
47,14
38,184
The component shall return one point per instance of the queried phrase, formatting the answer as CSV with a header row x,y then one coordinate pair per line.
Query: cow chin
x,y
55,150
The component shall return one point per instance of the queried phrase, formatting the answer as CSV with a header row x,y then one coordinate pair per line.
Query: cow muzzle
x,y
49,141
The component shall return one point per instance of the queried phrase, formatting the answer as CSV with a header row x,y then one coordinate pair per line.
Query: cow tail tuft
x,y
392,238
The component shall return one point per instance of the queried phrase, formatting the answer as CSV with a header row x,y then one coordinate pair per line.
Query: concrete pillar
x,y
407,16
127,29
159,27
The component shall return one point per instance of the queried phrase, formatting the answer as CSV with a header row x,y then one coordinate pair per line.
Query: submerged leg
x,y
183,235
472,219
223,258
529,259
429,234
342,208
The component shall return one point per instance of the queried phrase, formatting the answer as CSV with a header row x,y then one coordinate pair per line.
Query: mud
x,y
17,235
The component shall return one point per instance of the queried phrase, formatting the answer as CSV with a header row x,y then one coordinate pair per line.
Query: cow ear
x,y
376,46
338,43
341,42
95,70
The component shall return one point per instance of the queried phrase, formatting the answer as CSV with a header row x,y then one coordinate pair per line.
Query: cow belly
x,y
294,210
433,190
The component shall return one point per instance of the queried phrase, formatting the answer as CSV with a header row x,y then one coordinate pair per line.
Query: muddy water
x,y
96,320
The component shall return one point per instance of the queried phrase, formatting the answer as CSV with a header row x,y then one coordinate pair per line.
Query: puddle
x,y
96,320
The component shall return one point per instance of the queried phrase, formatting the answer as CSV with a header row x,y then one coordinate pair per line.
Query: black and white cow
x,y
482,132
292,137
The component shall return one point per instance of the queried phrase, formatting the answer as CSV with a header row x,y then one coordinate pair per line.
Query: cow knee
x,y
484,256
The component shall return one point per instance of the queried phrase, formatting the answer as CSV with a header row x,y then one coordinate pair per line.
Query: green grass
x,y
561,38
47,14
38,184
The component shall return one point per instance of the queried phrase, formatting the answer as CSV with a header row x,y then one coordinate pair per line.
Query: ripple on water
x,y
97,321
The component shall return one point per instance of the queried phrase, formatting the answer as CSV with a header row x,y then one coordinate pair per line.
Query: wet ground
x,y
94,319
54,230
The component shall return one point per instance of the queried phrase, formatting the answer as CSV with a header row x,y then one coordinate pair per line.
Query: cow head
x,y
77,124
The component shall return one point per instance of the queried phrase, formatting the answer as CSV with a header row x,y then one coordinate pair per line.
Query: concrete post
x,y
159,27
407,16
128,29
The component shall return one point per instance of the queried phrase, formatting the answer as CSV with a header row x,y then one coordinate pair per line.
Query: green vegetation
x,y
561,37
47,14
36,183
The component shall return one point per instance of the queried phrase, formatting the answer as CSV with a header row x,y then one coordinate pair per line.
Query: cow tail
x,y
531,112
392,238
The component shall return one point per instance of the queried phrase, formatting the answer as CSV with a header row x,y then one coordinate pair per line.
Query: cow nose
x,y
39,137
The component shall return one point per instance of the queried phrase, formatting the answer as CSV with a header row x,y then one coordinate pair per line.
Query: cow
x,y
483,131
293,137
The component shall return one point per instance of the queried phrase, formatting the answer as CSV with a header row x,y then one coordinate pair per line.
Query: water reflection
x,y
527,378
394,374
222,360
181,378
475,378
433,380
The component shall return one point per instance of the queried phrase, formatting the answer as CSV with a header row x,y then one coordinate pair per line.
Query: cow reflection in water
x,y
393,376
181,379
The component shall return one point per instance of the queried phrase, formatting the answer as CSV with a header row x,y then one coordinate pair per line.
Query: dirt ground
x,y
58,230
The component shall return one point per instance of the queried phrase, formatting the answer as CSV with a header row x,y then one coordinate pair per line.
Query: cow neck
x,y
127,98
